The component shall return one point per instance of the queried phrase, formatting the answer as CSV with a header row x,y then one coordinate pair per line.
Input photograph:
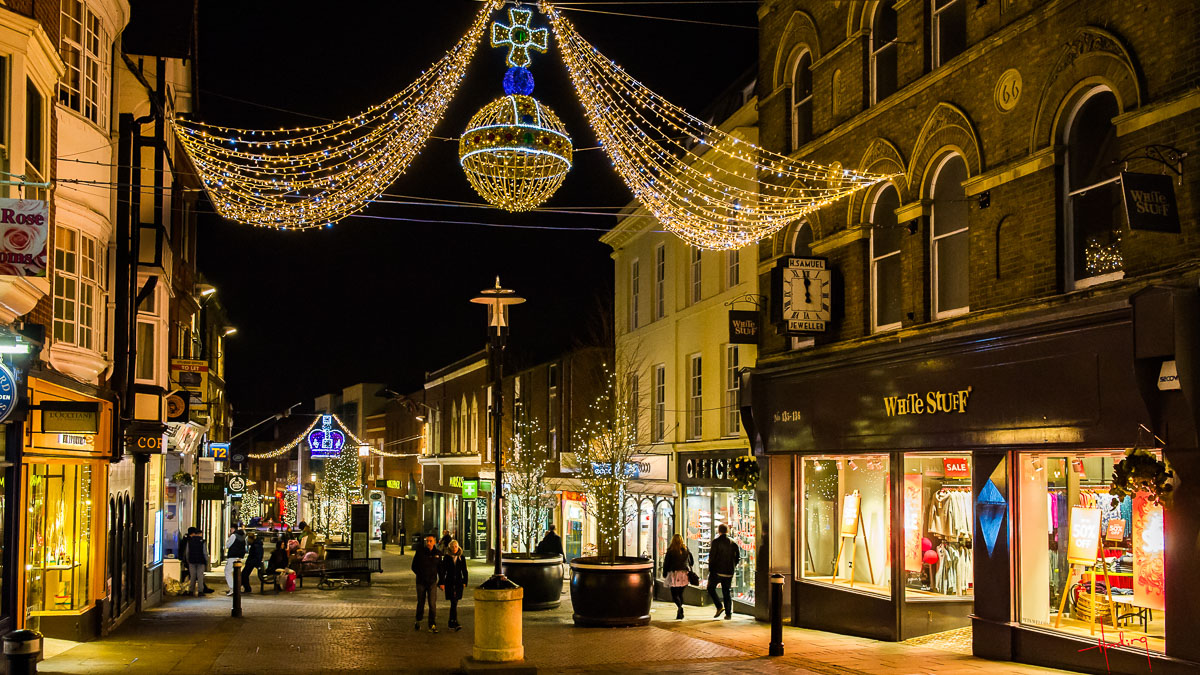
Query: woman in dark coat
x,y
676,565
452,579
254,558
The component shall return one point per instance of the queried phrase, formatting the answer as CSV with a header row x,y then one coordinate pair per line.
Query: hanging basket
x,y
1142,472
745,472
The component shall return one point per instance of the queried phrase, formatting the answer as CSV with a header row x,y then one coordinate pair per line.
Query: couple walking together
x,y
723,558
436,570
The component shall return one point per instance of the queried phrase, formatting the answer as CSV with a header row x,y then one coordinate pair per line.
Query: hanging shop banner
x,y
214,491
150,440
1084,541
485,485
206,470
743,327
1150,202
237,484
24,226
1149,554
219,450
177,407
470,488
912,522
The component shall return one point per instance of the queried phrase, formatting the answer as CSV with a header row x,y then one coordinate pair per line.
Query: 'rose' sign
x,y
24,224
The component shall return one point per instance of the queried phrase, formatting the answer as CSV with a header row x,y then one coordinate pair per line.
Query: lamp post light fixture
x,y
498,600
498,300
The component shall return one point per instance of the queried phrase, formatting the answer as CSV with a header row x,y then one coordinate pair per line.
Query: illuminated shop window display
x,y
58,544
846,522
1103,567
705,509
938,526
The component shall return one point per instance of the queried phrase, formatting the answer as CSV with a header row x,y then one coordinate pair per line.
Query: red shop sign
x,y
956,467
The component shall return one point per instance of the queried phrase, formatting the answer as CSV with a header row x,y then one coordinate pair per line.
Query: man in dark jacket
x,y
550,544
197,562
723,558
425,563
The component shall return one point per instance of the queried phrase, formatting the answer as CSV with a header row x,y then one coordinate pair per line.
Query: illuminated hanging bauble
x,y
515,152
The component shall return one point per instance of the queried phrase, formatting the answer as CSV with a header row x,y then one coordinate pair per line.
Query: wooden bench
x,y
341,568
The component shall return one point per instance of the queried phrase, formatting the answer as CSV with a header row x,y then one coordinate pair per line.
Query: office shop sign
x,y
707,468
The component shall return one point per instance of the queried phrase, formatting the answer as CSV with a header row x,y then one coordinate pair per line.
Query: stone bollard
x,y
22,651
776,647
498,625
237,589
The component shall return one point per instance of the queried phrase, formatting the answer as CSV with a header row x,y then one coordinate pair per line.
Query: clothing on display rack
x,y
949,518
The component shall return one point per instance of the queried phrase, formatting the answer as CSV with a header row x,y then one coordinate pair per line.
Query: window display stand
x,y
850,530
1089,570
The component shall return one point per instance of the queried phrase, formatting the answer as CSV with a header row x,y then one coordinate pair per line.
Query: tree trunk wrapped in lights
x,y
606,454
527,499
291,501
251,505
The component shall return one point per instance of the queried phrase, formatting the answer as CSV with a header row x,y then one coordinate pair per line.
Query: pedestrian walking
x,y
185,574
677,569
444,544
550,544
723,559
235,550
402,537
254,558
425,565
197,561
383,535
453,579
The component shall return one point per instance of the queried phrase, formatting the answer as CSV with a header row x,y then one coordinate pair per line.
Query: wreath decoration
x,y
1142,472
745,472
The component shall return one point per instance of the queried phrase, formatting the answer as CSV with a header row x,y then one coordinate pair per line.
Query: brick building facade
x,y
998,261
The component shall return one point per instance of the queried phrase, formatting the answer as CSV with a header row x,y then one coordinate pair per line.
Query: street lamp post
x,y
497,600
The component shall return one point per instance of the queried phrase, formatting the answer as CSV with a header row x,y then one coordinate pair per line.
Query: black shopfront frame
x,y
1075,380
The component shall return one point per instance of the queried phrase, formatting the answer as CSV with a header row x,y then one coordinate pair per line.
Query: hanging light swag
x,y
314,176
711,188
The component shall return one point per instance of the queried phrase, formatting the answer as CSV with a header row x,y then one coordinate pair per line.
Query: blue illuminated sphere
x,y
518,81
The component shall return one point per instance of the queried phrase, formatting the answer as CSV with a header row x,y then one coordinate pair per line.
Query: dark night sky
x,y
377,300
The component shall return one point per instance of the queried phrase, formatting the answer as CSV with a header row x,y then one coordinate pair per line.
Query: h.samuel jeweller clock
x,y
805,287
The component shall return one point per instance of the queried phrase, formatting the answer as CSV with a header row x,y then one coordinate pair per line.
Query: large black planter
x,y
608,594
540,575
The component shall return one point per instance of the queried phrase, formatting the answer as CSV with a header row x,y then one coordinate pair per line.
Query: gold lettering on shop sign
x,y
930,403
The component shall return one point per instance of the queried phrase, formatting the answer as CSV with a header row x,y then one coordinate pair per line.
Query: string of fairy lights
x,y
702,183
711,188
314,176
286,448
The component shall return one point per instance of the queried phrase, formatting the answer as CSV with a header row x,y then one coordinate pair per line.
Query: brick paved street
x,y
370,630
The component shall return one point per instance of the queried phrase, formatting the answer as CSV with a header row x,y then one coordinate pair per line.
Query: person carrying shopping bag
x,y
677,569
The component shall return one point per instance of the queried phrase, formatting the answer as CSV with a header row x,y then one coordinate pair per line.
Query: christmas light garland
x,y
314,176
284,449
709,187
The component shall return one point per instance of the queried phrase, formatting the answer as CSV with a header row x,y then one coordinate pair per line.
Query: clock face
x,y
805,295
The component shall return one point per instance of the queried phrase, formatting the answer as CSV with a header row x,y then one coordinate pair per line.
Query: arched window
x,y
949,240
886,278
802,239
883,51
454,427
1093,199
473,445
949,30
802,100
464,425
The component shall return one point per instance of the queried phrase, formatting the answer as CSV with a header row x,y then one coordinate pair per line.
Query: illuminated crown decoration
x,y
714,189
326,441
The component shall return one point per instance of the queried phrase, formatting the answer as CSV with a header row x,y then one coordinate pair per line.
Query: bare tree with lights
x,y
526,462
607,451
339,488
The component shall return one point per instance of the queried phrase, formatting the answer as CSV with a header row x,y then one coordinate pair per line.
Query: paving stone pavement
x,y
370,630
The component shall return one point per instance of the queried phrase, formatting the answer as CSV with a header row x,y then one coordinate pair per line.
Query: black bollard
x,y
237,589
776,648
22,651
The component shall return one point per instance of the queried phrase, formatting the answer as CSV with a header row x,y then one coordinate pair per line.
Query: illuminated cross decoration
x,y
519,37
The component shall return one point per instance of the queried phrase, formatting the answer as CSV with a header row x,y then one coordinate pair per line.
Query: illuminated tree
x,y
528,501
606,453
291,502
251,505
339,487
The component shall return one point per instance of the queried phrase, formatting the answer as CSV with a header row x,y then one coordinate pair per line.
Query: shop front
x,y
649,509
457,501
709,501
64,473
963,479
